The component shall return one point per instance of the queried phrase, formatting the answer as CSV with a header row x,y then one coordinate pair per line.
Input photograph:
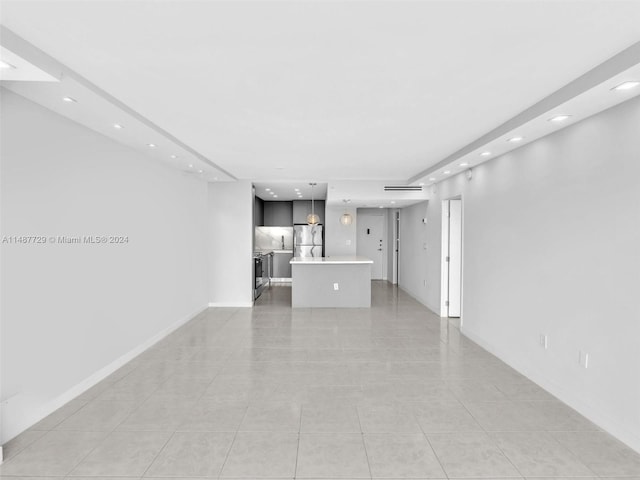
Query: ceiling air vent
x,y
402,188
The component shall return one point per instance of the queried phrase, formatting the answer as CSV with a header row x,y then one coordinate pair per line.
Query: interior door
x,y
455,258
371,242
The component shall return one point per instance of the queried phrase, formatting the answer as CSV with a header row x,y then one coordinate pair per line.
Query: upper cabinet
x,y
285,214
258,212
278,214
302,208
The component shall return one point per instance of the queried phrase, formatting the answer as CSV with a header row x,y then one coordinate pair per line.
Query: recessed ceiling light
x,y
485,154
69,100
296,189
275,196
174,156
380,206
559,118
421,184
464,164
432,179
200,171
393,201
515,139
446,172
267,189
191,165
117,126
151,145
627,85
5,65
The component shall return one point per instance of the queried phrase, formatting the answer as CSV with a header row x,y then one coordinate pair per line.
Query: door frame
x,y
395,275
444,264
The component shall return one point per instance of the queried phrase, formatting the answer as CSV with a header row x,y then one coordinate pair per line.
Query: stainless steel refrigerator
x,y
307,241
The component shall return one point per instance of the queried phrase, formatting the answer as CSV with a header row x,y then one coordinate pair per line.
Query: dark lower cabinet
x,y
281,265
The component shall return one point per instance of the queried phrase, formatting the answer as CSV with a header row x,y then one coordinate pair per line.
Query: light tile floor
x,y
388,392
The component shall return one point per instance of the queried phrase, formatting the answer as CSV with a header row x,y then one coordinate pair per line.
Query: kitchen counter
x,y
267,252
331,282
346,260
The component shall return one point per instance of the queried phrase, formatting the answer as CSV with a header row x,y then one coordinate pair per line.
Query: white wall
x,y
551,241
413,263
72,313
391,226
339,240
230,244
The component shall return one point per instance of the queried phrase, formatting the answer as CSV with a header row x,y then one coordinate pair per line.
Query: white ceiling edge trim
x,y
48,64
21,70
616,65
579,108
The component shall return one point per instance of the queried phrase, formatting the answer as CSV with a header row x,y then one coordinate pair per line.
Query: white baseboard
x,y
231,304
31,418
603,420
417,298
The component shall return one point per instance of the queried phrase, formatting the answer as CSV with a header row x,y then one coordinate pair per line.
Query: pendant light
x,y
346,217
312,218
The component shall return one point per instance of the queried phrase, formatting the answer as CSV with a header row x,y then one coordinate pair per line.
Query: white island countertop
x,y
346,260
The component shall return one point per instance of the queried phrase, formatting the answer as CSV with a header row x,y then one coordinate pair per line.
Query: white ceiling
x,y
334,90
290,191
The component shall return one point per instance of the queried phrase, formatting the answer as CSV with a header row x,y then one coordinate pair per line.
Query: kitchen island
x,y
331,282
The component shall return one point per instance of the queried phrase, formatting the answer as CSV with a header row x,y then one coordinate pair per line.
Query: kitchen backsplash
x,y
270,238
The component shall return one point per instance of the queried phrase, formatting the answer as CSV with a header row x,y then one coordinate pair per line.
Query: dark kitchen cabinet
x,y
278,214
302,208
258,212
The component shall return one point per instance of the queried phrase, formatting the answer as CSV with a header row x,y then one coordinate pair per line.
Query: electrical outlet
x,y
336,286
583,359
348,242
544,341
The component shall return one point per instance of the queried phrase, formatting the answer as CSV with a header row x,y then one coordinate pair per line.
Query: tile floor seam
x,y
85,456
363,442
160,450
434,451
366,454
506,456
574,455
235,435
295,467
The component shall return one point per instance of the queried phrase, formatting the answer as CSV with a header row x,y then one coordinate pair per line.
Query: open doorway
x,y
451,301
